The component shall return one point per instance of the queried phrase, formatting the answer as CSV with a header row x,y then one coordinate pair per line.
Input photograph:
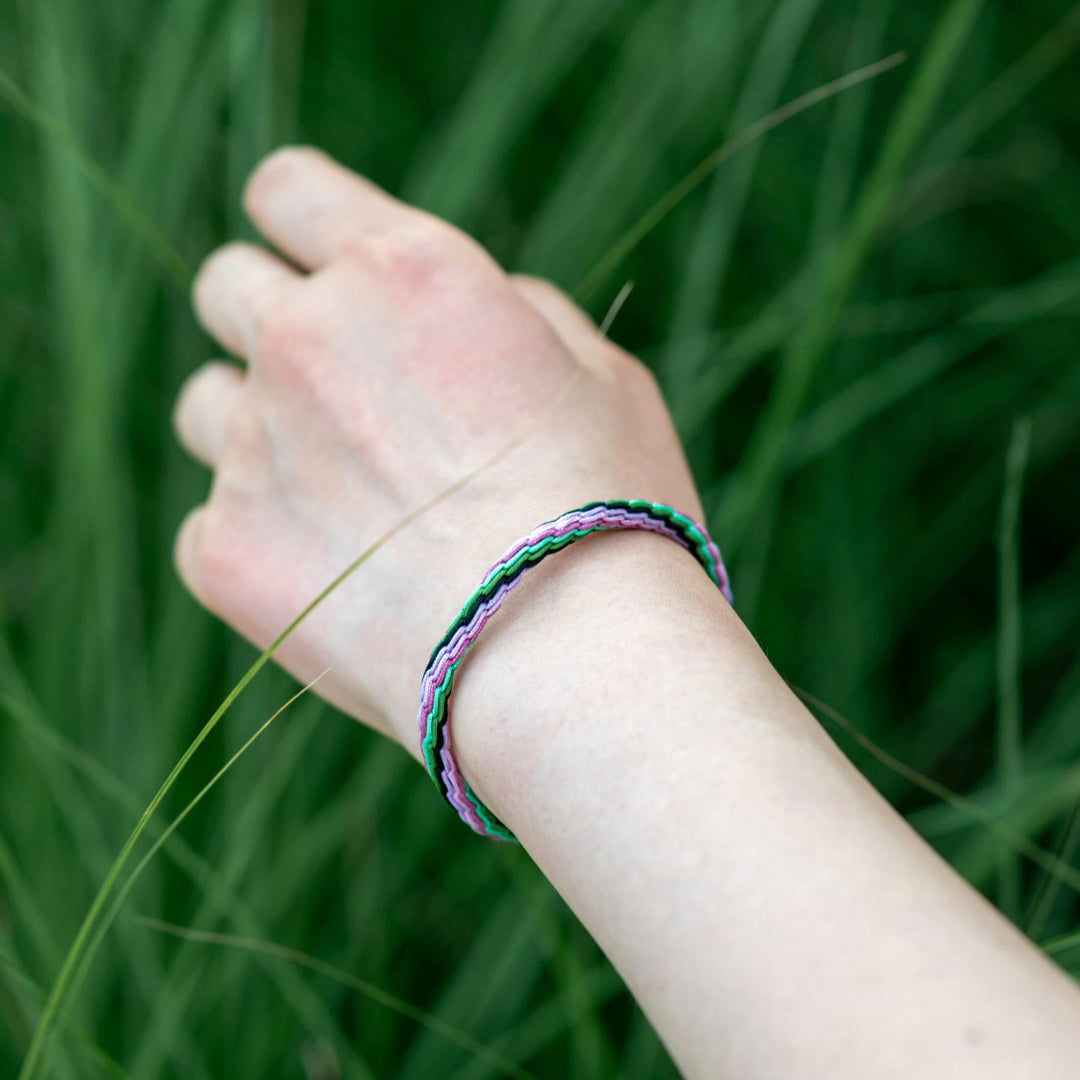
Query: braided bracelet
x,y
504,575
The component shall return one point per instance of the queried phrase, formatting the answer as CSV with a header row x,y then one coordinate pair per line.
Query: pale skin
x,y
770,912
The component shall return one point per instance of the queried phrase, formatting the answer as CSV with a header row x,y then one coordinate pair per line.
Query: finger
x,y
186,546
577,331
313,209
234,291
206,401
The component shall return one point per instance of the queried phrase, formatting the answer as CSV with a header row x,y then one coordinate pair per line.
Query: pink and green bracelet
x,y
500,580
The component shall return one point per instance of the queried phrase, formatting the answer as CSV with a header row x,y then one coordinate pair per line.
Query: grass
x,y
850,316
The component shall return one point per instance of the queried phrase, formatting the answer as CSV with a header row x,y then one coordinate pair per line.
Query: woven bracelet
x,y
500,580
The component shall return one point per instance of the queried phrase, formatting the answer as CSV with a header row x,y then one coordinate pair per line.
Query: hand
x,y
642,748
396,359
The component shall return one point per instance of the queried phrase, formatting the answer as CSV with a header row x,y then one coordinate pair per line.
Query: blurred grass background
x,y
867,327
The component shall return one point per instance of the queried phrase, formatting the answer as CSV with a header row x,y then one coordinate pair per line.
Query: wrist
x,y
590,625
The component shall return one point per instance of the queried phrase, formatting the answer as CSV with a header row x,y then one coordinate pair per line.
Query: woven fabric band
x,y
500,580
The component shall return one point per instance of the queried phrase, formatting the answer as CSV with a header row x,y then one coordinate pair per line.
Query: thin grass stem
x,y
73,962
1010,748
675,195
1062,871
105,1062
760,467
158,244
459,1038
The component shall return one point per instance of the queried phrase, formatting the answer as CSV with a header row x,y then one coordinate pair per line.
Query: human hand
x,y
673,812
396,359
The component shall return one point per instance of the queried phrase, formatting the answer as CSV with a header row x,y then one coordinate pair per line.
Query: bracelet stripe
x,y
503,576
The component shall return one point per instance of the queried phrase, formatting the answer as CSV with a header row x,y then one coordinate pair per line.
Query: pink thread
x,y
465,636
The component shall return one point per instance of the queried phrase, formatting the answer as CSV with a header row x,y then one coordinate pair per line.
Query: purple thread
x,y
464,637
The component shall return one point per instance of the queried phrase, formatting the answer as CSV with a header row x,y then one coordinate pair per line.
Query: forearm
x,y
771,913
773,916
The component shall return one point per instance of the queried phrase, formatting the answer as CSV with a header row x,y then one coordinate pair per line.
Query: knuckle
x,y
186,402
219,258
638,376
530,284
279,168
203,283
214,558
644,374
419,251
183,545
215,267
246,436
288,334
204,382
192,397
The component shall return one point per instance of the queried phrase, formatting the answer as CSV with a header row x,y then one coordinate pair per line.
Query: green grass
x,y
850,315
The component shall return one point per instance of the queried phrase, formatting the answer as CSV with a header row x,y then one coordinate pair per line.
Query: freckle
x,y
972,1036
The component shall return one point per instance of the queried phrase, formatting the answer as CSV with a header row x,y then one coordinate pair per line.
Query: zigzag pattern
x,y
503,576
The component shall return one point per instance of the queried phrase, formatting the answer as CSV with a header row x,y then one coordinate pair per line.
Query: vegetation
x,y
865,320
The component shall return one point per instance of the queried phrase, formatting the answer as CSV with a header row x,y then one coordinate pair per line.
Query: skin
x,y
771,913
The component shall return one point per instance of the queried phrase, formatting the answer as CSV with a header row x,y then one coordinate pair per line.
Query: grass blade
x,y
462,1039
667,202
1004,833
74,962
1009,732
1008,89
767,446
169,258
